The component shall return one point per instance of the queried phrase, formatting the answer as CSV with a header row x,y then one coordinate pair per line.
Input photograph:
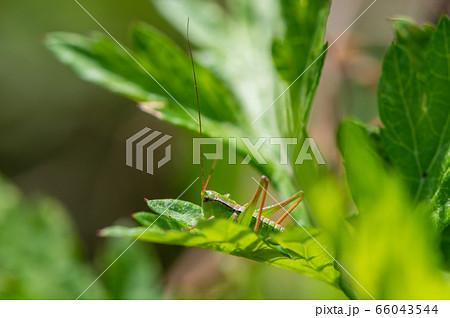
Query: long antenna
x,y
210,173
198,107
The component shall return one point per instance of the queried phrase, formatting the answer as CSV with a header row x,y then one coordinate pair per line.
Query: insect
x,y
215,205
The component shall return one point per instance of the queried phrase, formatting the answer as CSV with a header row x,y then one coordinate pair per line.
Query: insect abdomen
x,y
227,207
266,225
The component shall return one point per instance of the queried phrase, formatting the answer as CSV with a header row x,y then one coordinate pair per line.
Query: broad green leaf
x,y
234,42
148,219
136,275
172,67
393,242
247,56
416,114
101,61
294,249
186,213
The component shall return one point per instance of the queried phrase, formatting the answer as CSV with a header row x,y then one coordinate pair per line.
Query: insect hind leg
x,y
245,217
265,181
268,211
300,199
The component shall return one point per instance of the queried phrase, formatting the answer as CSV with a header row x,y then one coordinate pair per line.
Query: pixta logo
x,y
143,145
253,149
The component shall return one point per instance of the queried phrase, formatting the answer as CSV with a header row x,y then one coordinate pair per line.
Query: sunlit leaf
x,y
169,95
416,114
393,242
294,249
183,212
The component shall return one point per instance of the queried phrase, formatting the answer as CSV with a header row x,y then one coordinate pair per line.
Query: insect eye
x,y
206,199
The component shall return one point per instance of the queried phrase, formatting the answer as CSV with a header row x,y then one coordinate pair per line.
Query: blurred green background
x,y
64,138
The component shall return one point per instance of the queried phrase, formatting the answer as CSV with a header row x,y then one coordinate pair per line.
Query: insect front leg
x,y
195,226
235,216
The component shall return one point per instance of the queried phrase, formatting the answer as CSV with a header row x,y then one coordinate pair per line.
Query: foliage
x,y
135,276
235,92
40,256
413,103
38,248
397,177
376,251
295,250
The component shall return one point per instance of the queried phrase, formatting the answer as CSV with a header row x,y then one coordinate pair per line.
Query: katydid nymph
x,y
215,205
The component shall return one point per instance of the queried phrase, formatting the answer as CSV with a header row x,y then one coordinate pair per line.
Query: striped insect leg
x,y
268,211
300,199
245,217
264,180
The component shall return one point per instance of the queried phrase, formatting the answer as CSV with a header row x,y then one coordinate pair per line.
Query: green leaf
x,y
172,67
393,242
414,39
300,52
183,212
245,57
234,42
360,180
294,249
148,219
299,55
101,61
415,114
